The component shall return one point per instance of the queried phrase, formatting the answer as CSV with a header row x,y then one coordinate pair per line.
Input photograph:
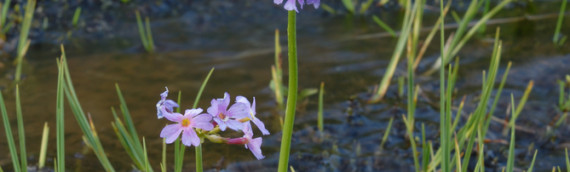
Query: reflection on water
x,y
242,58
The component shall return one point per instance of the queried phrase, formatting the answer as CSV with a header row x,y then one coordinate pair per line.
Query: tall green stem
x,y
199,167
291,95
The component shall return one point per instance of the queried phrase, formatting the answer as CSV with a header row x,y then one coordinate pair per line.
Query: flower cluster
x,y
291,5
195,125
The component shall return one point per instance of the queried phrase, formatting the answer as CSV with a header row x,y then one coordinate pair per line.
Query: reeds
x,y
23,42
559,39
145,33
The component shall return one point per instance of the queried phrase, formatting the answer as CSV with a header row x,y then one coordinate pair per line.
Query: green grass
x,y
145,33
23,42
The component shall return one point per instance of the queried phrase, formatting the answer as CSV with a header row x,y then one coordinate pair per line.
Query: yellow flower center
x,y
185,122
222,116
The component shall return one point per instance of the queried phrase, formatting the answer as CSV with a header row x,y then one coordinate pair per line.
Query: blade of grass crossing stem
x,y
384,26
90,134
276,72
43,147
520,106
530,169
383,87
291,93
60,120
23,39
430,36
557,36
511,156
320,113
9,136
76,16
386,133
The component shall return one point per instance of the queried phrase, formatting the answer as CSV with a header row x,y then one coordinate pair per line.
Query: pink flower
x,y
185,124
164,105
251,112
254,145
227,118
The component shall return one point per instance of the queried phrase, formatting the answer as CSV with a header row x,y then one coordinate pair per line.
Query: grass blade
x,y
557,36
384,25
21,131
76,16
532,162
60,122
43,149
320,114
9,136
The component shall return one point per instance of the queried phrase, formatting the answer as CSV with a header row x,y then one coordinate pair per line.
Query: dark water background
x,y
237,39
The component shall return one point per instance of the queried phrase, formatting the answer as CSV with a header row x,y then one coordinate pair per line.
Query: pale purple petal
x,y
164,94
234,125
158,109
213,109
301,2
254,146
192,112
189,138
247,132
224,103
261,126
202,121
238,110
171,132
242,99
170,104
315,3
290,5
174,117
221,123
277,1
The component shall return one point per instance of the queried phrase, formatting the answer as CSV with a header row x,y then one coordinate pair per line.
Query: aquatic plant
x,y
196,126
145,33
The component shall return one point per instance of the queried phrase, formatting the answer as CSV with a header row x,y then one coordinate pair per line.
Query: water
x,y
238,42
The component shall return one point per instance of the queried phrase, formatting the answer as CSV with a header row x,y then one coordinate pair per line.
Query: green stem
x,y
199,167
291,95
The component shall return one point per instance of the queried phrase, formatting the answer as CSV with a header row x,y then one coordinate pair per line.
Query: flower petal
x,y
238,110
290,5
315,3
221,123
242,99
171,132
254,146
302,2
174,117
192,112
213,109
277,1
189,138
202,121
234,125
261,126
